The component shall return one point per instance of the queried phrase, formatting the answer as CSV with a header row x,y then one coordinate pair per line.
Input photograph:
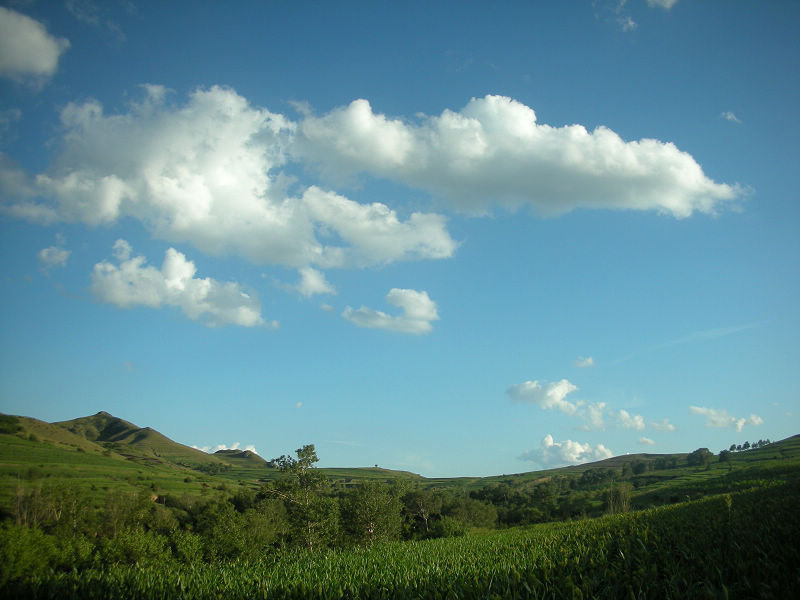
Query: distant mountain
x,y
245,456
136,443
52,433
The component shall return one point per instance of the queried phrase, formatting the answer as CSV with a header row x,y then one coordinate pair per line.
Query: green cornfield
x,y
741,545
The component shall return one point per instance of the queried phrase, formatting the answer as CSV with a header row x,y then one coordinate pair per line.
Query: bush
x,y
134,545
186,547
24,552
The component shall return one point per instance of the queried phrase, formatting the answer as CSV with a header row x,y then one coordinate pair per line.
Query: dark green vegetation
x,y
97,507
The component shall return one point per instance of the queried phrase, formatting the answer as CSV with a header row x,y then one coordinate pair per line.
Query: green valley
x,y
100,507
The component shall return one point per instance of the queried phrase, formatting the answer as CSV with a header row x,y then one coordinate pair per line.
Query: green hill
x,y
241,456
103,451
141,444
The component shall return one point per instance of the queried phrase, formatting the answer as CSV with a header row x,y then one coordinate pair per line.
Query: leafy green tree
x,y
421,507
125,509
471,512
725,457
701,457
372,513
313,517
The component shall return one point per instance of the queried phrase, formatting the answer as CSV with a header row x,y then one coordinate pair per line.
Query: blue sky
x,y
450,238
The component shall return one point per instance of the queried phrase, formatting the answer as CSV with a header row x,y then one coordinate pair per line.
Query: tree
x,y
725,456
472,512
372,513
421,506
313,517
699,458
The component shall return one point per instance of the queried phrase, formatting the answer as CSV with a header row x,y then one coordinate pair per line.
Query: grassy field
x,y
741,545
121,455
713,530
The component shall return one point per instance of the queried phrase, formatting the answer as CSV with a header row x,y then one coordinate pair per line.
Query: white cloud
x,y
234,446
729,116
27,51
665,4
552,395
627,23
208,173
555,454
493,152
93,14
629,421
133,283
418,313
313,282
646,441
720,418
593,415
546,396
583,363
663,425
53,257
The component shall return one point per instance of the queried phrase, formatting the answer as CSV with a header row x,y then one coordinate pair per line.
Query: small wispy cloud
x,y
665,4
629,421
695,337
646,441
627,23
662,425
584,363
729,116
418,312
313,282
717,417
53,257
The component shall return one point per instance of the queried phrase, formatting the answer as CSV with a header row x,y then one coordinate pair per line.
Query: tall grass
x,y
738,545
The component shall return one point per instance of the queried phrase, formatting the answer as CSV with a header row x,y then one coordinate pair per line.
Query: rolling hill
x,y
104,452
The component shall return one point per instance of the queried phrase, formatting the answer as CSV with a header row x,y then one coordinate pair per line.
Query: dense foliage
x,y
304,535
737,545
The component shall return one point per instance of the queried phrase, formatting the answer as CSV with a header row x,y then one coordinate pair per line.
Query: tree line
x,y
55,526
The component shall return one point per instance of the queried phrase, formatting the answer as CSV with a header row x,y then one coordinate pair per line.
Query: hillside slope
x,y
136,443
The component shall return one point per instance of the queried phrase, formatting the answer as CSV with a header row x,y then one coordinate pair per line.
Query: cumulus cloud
x,y
418,311
663,425
494,152
234,446
546,395
53,257
27,51
720,418
729,116
208,173
646,441
552,395
313,282
629,421
134,283
556,454
584,363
